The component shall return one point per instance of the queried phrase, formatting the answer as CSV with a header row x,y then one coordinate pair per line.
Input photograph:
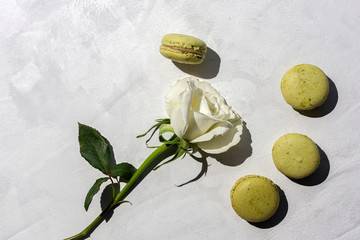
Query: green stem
x,y
161,153
113,187
92,225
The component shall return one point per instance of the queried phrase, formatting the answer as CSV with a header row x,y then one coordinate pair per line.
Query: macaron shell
x,y
295,155
184,41
254,198
305,87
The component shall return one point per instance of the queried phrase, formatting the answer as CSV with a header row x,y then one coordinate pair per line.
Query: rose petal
x,y
177,122
201,115
174,96
222,143
199,124
206,88
200,103
219,128
180,116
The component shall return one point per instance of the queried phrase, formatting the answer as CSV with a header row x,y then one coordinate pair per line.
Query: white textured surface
x,y
97,62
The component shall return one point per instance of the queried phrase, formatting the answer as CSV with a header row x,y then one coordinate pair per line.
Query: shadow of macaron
x,y
207,69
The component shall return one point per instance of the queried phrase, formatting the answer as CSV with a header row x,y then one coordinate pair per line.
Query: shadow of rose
x,y
235,156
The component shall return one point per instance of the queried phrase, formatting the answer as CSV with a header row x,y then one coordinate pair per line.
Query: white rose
x,y
199,114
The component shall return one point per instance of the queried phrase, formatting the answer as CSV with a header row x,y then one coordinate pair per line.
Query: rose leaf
x,y
93,190
123,170
95,148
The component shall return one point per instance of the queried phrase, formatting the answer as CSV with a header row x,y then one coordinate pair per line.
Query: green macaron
x,y
183,48
305,87
254,198
296,155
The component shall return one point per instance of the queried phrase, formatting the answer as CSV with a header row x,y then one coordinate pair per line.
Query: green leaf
x,y
159,123
93,190
165,128
124,201
108,195
123,170
179,153
183,148
95,148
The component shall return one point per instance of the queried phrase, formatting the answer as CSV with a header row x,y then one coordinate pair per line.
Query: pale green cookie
x,y
254,198
183,48
295,155
305,87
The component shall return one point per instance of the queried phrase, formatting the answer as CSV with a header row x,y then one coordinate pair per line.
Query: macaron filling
x,y
187,50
